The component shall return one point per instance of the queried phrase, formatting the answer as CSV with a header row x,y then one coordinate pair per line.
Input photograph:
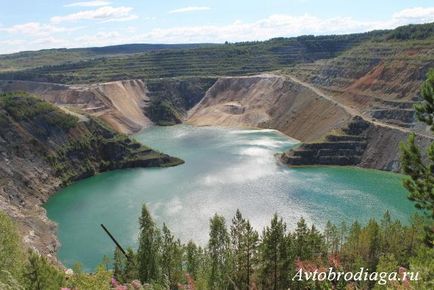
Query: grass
x,y
23,107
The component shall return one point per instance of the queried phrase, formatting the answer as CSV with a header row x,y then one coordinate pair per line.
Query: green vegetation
x,y
89,149
171,98
420,170
236,257
240,258
229,59
412,31
164,112
32,59
23,107
91,65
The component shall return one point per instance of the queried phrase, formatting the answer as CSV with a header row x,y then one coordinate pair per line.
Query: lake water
x,y
225,169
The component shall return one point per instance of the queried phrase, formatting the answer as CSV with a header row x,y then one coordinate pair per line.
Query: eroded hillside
x,y
268,101
125,106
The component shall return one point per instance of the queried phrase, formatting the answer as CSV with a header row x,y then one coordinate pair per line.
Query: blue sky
x,y
32,25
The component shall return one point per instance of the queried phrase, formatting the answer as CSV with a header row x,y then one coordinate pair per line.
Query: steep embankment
x,y
361,143
126,106
119,104
43,148
268,101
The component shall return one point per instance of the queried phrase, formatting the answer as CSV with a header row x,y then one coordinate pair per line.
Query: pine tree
x,y
316,245
119,264
131,270
301,236
274,256
420,183
370,242
350,250
332,238
244,241
148,252
192,258
251,239
40,274
171,257
218,250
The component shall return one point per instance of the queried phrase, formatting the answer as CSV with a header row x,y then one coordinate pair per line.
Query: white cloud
x,y
278,25
36,29
106,13
189,9
121,19
417,14
284,25
88,4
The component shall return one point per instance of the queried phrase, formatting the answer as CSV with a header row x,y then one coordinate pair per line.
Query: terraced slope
x,y
341,147
228,59
379,79
32,59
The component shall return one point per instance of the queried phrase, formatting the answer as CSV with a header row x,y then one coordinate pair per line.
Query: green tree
x,y
149,246
40,274
99,280
171,257
119,265
244,243
332,238
387,263
420,170
251,240
274,256
301,236
131,271
219,254
193,259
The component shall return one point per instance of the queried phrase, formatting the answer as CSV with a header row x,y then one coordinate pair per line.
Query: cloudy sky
x,y
32,25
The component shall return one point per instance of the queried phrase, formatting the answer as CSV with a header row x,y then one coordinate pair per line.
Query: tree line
x,y
239,257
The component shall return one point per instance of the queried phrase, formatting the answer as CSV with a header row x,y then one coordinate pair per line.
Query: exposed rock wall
x,y
361,143
268,101
171,98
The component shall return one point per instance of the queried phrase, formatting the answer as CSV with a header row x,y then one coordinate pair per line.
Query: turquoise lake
x,y
225,169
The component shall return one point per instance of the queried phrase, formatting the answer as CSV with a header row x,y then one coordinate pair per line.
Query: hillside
x,y
125,106
42,148
268,101
227,59
32,59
